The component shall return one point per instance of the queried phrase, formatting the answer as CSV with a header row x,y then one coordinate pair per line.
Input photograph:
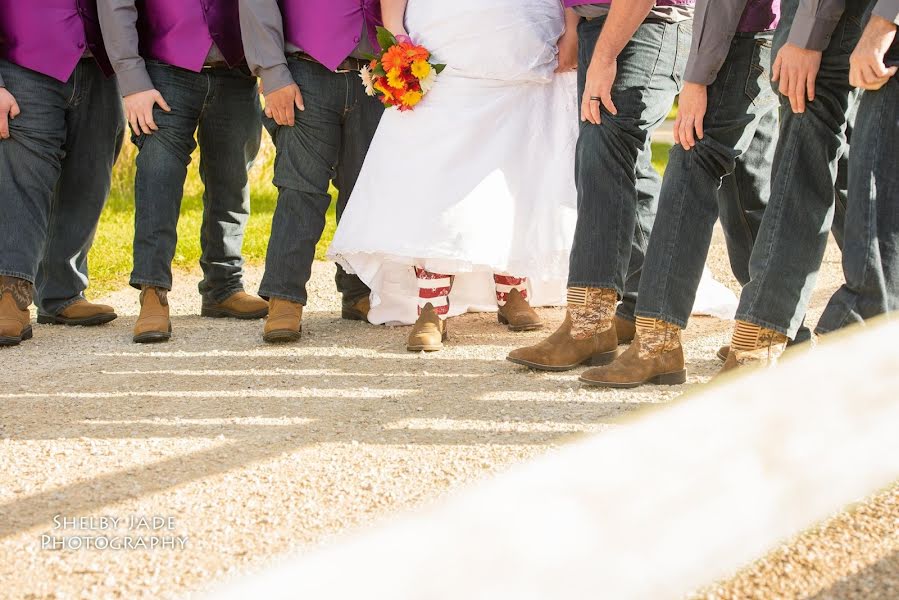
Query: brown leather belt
x,y
350,64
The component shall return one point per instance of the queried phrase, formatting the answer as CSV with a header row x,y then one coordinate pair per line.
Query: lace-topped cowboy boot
x,y
754,346
81,313
586,336
518,314
655,356
153,324
428,333
284,322
15,320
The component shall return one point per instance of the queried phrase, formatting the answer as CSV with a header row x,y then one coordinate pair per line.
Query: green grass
x,y
111,256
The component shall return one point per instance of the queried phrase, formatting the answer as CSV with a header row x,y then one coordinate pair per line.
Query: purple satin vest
x,y
51,36
760,15
181,32
329,30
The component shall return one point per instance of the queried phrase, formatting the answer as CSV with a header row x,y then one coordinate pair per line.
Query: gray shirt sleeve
x,y
262,28
887,9
713,30
118,21
814,23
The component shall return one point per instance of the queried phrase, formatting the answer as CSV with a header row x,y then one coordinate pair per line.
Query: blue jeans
x,y
55,172
795,229
871,239
328,143
614,219
740,125
221,106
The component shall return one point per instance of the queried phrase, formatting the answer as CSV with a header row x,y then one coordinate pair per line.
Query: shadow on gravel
x,y
879,581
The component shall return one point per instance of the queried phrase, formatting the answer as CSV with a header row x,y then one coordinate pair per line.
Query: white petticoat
x,y
479,178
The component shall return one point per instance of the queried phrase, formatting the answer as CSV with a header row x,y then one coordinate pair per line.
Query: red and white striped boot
x,y
429,331
514,310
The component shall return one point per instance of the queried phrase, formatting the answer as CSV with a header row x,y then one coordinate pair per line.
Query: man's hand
x,y
866,67
567,51
9,109
691,107
139,111
279,105
598,90
796,69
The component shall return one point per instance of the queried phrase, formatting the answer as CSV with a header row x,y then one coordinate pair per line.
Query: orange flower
x,y
395,58
414,53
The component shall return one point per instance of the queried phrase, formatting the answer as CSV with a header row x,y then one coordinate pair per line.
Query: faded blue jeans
x,y
739,125
55,172
221,106
788,252
328,143
614,220
871,238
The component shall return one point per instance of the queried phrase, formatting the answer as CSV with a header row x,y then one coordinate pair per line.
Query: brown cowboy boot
x,y
284,322
428,333
80,312
754,346
656,356
15,320
626,330
239,305
358,311
586,336
722,353
518,314
153,325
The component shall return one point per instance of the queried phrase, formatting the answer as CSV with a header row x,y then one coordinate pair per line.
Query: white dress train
x,y
478,179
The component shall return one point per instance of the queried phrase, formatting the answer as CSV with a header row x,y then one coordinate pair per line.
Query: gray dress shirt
x,y
118,21
262,28
814,23
888,9
713,30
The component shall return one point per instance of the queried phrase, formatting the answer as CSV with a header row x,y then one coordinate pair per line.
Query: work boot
x,y
586,336
626,330
80,312
428,333
239,305
754,346
15,320
284,322
358,311
518,314
153,325
722,353
656,356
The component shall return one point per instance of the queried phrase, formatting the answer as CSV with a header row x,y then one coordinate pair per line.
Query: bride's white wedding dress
x,y
478,179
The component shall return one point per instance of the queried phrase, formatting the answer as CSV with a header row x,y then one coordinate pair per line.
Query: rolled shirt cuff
x,y
812,32
134,81
885,9
275,78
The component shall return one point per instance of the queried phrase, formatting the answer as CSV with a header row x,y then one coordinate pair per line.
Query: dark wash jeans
x,y
788,252
614,219
55,172
328,143
871,237
741,105
221,106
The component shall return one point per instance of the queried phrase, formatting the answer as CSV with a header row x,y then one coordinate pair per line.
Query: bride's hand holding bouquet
x,y
402,75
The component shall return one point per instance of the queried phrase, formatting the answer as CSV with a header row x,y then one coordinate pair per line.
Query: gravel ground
x,y
252,450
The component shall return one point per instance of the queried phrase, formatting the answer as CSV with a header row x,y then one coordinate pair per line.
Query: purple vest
x,y
51,36
329,30
760,15
181,32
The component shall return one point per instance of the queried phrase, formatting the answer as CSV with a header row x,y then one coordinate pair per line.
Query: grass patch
x,y
111,256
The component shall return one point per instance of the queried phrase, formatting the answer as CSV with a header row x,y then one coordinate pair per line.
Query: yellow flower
x,y
411,98
421,69
395,80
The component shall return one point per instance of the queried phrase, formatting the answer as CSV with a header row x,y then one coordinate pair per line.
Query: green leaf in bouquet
x,y
369,57
385,38
439,68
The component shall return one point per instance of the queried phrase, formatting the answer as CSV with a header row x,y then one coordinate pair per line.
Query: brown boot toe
x,y
15,320
518,314
428,333
153,324
239,305
284,323
630,370
81,313
561,352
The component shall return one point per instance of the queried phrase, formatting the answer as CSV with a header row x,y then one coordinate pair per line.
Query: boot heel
x,y
502,320
674,378
602,358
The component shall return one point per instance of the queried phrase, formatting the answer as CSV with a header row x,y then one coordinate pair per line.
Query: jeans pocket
x,y
758,81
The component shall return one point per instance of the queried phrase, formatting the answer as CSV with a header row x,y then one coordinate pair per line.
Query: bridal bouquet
x,y
402,74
